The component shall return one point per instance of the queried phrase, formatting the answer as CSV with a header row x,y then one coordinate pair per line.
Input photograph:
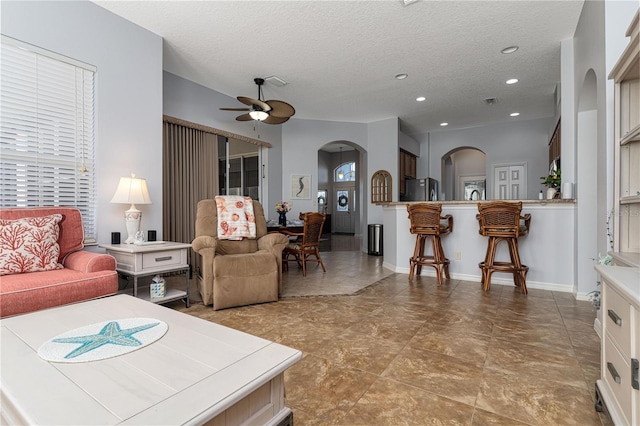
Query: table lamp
x,y
132,190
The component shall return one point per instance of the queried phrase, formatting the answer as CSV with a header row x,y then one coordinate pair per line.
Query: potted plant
x,y
552,182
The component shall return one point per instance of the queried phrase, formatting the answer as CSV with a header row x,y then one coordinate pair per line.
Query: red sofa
x,y
85,275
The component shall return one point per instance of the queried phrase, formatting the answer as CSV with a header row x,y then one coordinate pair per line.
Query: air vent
x,y
491,101
274,80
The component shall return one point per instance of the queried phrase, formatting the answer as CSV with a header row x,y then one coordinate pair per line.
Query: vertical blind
x,y
47,131
189,174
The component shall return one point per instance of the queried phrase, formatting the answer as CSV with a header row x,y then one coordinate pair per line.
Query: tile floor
x,y
416,353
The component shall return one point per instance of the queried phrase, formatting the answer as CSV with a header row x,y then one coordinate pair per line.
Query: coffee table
x,y
198,372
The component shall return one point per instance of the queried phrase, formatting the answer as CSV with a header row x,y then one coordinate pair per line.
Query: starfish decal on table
x,y
110,334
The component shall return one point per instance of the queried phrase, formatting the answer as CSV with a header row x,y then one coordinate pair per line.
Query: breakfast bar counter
x,y
547,249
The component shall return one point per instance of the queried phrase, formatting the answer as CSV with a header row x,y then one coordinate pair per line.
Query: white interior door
x,y
510,182
344,211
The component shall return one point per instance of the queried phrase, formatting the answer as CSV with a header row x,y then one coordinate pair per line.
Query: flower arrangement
x,y
553,180
283,207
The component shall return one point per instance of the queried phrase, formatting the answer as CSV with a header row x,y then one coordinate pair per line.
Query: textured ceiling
x,y
340,57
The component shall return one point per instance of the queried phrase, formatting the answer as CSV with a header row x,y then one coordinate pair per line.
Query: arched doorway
x,y
340,184
464,174
590,168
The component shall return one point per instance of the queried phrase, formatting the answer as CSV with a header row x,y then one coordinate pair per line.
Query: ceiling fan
x,y
270,112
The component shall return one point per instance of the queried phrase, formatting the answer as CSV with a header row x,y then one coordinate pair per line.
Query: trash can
x,y
375,239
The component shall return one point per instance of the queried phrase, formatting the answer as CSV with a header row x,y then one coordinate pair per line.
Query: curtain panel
x,y
190,174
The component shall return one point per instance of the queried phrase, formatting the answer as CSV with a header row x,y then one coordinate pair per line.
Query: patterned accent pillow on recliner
x,y
236,219
29,244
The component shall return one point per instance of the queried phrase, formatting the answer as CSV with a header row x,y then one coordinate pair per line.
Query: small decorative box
x,y
157,287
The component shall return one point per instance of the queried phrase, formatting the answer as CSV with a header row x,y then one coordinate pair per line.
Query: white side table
x,y
151,259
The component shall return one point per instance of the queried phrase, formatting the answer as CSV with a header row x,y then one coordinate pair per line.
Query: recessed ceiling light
x,y
421,99
509,49
514,114
444,124
512,81
401,76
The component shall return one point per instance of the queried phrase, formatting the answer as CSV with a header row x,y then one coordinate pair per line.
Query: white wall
x,y
505,143
129,93
601,28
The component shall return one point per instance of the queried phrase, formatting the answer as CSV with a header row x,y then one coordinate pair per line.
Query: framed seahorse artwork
x,y
300,187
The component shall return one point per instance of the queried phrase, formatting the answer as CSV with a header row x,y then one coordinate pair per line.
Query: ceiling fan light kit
x,y
258,115
269,112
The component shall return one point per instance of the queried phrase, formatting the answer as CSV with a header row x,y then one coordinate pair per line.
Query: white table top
x,y
195,371
145,248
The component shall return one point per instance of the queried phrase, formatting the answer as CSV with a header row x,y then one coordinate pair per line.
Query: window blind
x,y
47,140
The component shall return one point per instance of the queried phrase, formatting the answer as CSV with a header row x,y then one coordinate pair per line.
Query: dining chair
x,y
306,248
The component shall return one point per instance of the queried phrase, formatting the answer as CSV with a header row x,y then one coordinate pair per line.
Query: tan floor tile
x,y
316,385
536,402
459,322
459,343
485,418
531,333
531,362
433,340
586,346
389,328
441,374
303,335
360,351
390,403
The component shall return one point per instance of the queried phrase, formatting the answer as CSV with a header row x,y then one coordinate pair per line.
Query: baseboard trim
x,y
430,272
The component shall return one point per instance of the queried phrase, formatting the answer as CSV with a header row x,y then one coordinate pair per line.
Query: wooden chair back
x,y
426,219
312,230
502,219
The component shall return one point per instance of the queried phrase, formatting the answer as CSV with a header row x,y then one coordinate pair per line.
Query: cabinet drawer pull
x,y
161,259
614,317
613,372
635,381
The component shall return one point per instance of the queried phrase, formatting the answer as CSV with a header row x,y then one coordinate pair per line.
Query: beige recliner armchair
x,y
237,273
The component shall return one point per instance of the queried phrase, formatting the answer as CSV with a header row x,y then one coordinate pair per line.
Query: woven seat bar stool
x,y
501,221
427,223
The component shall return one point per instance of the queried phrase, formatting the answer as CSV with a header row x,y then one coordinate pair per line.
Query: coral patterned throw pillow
x,y
29,244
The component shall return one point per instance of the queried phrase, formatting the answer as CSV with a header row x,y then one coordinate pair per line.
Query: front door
x,y
344,210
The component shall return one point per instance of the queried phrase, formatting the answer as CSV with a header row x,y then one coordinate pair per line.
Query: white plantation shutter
x,y
46,131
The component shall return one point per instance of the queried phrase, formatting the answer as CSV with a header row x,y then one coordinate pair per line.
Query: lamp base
x,y
132,218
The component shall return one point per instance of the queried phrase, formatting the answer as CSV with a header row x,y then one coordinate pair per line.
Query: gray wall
x,y
129,93
504,143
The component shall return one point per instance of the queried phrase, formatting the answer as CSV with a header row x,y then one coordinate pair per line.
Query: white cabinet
x,y
618,387
626,75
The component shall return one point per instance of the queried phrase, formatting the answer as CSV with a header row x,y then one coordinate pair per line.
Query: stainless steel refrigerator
x,y
421,189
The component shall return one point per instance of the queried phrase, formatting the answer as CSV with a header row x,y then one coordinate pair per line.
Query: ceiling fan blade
x,y
244,117
235,109
280,109
275,120
250,101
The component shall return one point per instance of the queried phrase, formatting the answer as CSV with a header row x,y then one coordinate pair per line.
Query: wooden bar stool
x,y
501,221
426,222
